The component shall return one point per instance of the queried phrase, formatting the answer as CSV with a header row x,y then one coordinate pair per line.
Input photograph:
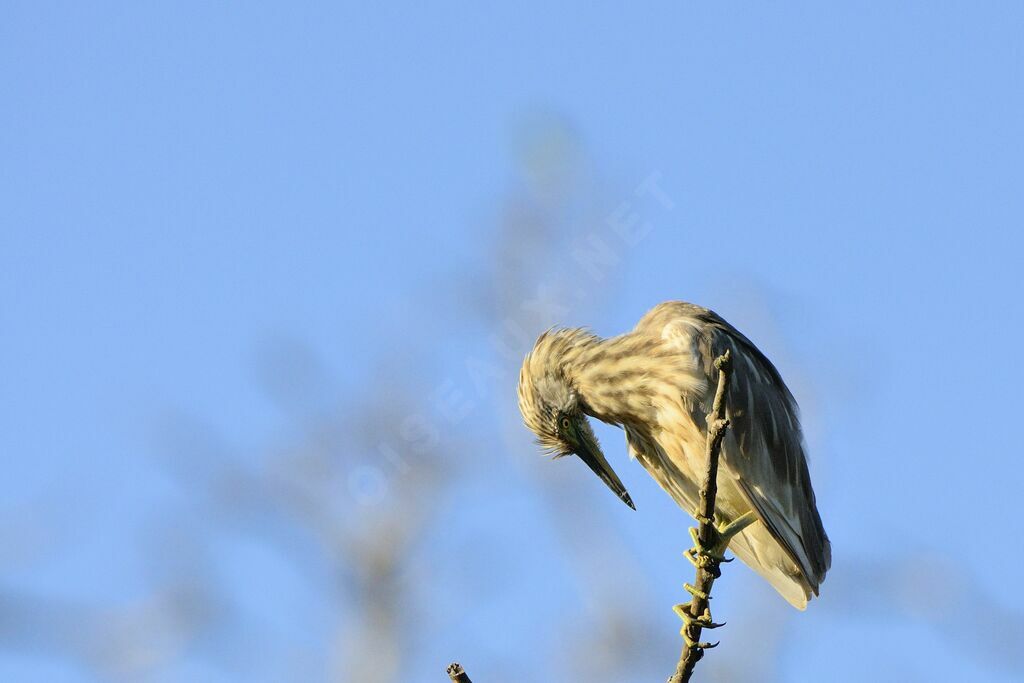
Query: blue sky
x,y
183,186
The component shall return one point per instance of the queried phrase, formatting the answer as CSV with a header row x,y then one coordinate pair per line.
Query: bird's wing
x,y
763,448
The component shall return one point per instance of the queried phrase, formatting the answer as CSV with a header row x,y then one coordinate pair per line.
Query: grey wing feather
x,y
764,447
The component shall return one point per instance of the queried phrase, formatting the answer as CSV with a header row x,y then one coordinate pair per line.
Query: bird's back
x,y
764,466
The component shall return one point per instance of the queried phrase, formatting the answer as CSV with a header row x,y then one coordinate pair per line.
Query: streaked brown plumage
x,y
657,382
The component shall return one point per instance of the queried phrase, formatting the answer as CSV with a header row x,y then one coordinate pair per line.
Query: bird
x,y
657,382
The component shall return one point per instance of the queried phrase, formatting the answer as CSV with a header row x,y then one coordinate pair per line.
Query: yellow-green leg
x,y
708,558
722,534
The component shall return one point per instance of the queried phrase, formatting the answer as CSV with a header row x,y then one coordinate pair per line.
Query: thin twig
x,y
697,615
457,673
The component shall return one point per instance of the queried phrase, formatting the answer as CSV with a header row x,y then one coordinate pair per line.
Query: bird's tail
x,y
762,553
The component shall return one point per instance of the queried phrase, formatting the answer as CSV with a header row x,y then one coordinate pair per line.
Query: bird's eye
x,y
565,423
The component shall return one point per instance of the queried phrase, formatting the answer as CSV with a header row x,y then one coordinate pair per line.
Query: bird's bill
x,y
592,455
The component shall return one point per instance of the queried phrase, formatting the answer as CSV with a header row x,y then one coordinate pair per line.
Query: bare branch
x,y
710,541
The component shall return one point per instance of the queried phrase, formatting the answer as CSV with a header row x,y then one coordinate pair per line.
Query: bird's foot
x,y
721,536
703,621
705,557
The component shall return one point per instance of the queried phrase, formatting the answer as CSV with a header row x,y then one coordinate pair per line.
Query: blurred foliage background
x,y
267,275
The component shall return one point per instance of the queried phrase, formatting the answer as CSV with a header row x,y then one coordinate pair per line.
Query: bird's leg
x,y
704,621
708,556
721,535
726,532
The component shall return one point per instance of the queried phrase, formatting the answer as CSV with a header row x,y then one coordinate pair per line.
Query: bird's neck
x,y
619,378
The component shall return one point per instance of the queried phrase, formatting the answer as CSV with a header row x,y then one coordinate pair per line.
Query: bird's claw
x,y
700,549
722,535
698,644
704,620
704,561
703,557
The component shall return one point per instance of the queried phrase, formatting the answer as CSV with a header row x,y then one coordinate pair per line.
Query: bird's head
x,y
553,409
